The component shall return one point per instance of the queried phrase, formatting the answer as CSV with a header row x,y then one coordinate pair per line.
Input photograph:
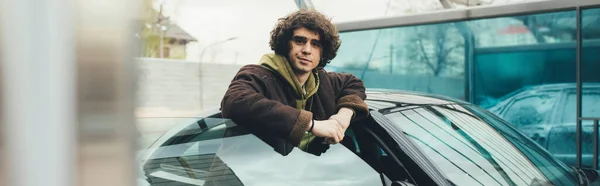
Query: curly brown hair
x,y
311,20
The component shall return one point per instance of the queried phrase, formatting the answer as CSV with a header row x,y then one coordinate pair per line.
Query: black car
x,y
408,139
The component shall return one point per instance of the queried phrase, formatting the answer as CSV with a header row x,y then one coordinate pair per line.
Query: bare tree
x,y
431,47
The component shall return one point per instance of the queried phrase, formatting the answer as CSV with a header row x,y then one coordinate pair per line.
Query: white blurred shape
x,y
39,92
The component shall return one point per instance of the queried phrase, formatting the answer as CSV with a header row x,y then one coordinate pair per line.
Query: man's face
x,y
305,50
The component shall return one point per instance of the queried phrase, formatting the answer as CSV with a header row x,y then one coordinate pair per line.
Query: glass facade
x,y
526,51
521,68
428,58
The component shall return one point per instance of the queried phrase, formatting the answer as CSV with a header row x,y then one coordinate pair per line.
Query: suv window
x,y
200,155
589,105
531,110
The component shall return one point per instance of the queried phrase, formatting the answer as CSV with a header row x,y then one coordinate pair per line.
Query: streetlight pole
x,y
200,68
161,25
163,29
213,44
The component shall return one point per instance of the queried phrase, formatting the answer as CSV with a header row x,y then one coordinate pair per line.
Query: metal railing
x,y
579,48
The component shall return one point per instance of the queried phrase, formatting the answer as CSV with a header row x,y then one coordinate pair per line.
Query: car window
x,y
531,110
202,156
189,157
590,104
468,150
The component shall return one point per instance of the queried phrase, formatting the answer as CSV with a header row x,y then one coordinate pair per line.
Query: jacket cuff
x,y
355,103
299,129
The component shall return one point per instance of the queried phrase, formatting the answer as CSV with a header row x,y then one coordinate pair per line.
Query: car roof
x,y
535,89
557,86
383,98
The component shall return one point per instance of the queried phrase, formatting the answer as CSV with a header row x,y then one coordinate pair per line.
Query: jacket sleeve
x,y
350,93
245,104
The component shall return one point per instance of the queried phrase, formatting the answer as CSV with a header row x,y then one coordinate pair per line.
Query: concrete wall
x,y
176,88
170,91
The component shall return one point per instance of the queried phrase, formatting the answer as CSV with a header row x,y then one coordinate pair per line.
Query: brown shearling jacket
x,y
263,102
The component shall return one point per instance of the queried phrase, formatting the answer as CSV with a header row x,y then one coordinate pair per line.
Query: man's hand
x,y
343,117
330,130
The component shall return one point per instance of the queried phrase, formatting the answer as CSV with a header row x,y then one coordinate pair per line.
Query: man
x,y
289,100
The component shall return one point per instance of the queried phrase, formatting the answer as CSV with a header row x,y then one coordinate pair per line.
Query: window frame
x,y
370,137
407,152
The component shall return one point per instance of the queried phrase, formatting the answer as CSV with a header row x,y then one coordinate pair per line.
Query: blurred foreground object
x,y
68,92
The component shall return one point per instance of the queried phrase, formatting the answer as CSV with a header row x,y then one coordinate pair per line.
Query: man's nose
x,y
306,48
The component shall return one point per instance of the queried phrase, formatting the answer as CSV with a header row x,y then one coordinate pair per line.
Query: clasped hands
x,y
334,128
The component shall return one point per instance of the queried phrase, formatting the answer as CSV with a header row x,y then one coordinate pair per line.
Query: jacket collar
x,y
280,65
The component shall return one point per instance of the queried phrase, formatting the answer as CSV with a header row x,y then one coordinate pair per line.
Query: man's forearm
x,y
346,112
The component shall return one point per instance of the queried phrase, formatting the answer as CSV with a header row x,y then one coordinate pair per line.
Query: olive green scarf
x,y
280,64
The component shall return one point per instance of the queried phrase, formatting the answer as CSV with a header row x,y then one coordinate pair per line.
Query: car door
x,y
562,144
216,152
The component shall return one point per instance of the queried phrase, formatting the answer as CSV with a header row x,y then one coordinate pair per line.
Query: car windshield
x,y
210,151
470,145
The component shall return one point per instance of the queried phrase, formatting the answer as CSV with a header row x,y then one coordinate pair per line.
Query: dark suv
x,y
537,110
534,110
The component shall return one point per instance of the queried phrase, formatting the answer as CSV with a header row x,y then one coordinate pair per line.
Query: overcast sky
x,y
212,21
250,21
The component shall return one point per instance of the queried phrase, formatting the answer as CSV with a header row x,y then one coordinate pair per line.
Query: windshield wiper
x,y
581,176
390,110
